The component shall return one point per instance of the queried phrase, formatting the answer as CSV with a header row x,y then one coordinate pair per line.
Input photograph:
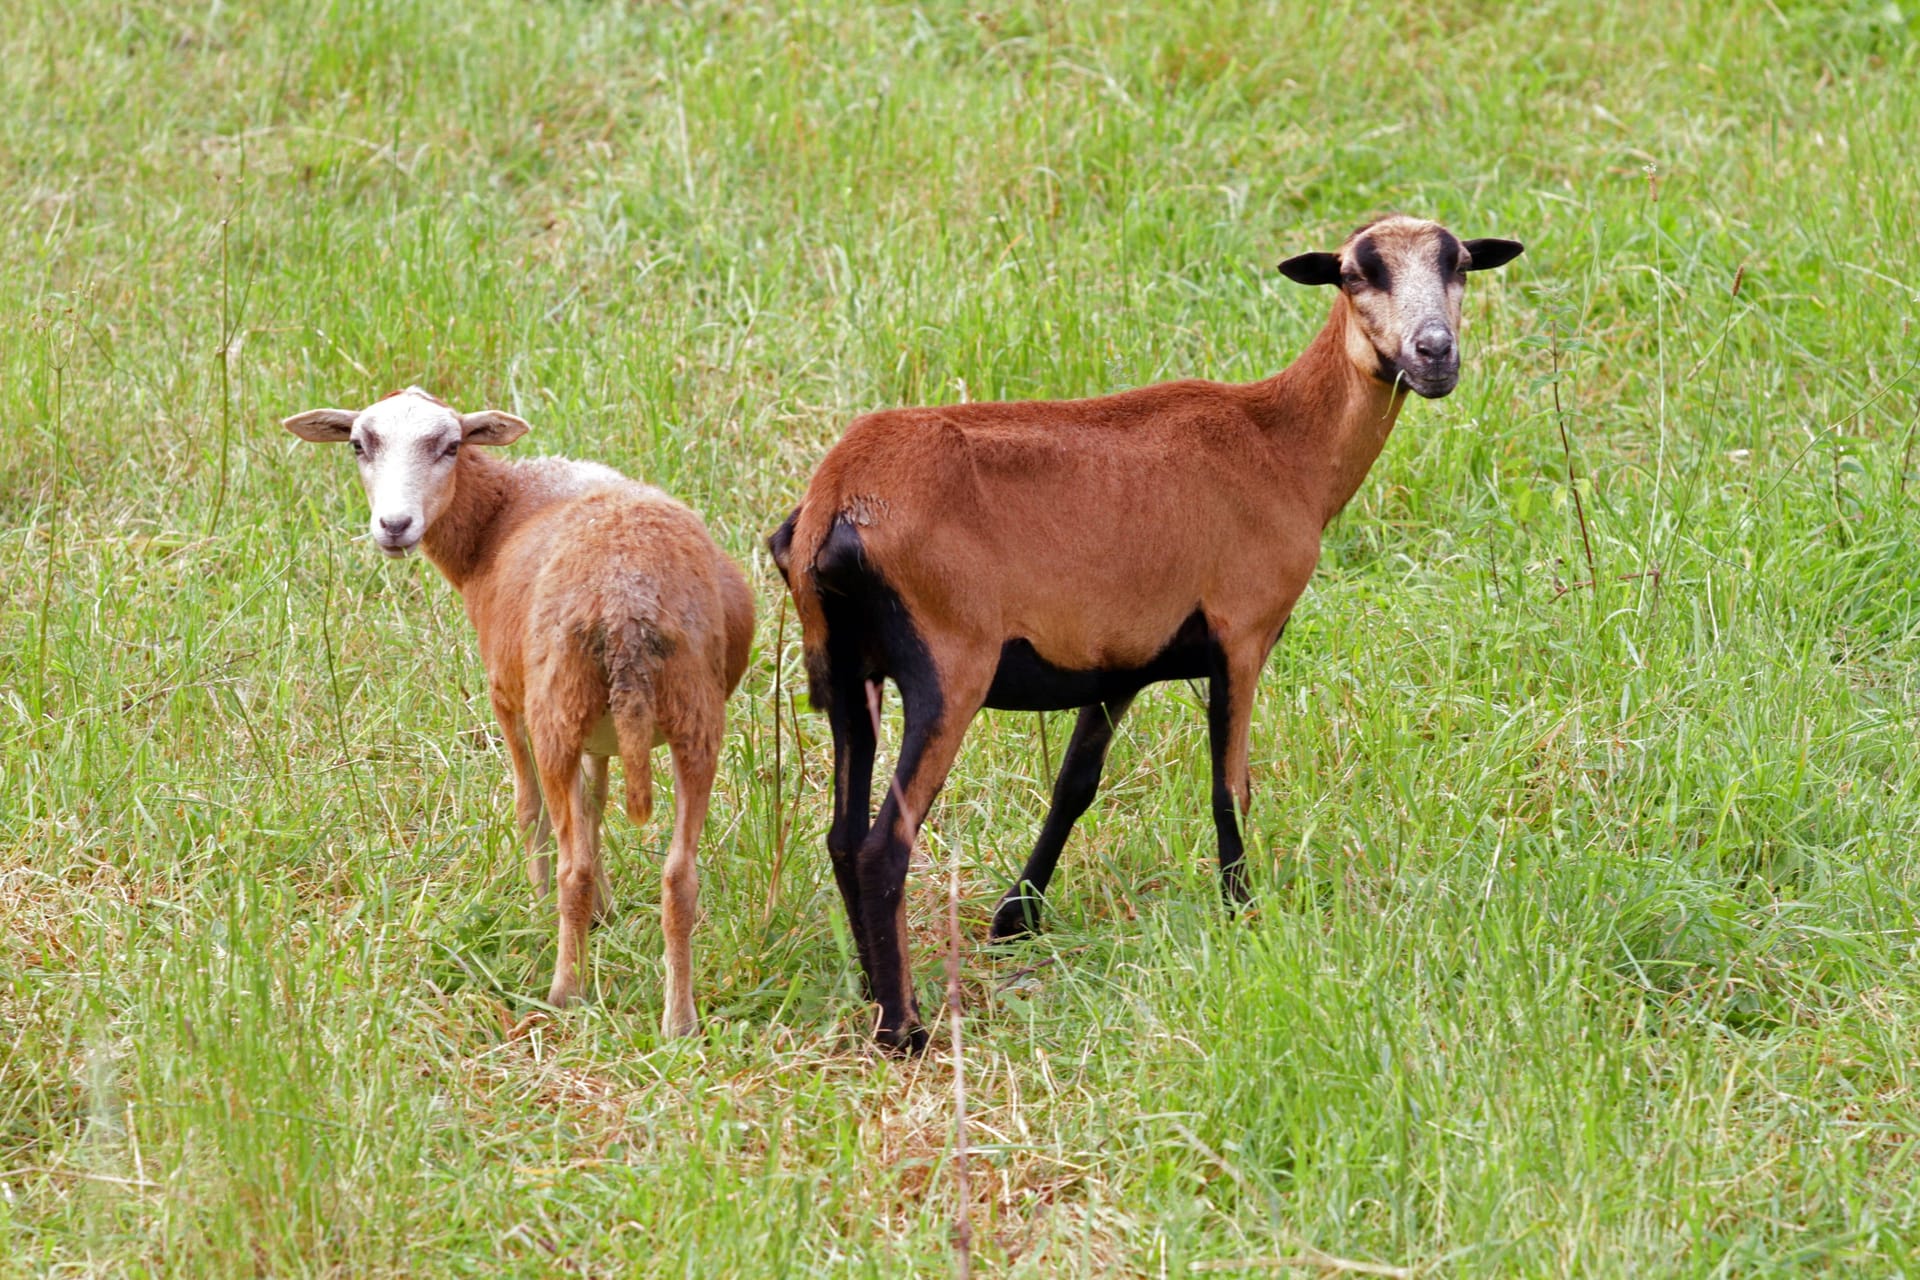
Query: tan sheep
x,y
609,623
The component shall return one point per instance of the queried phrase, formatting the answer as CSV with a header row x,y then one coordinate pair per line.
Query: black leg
x,y
1226,821
1018,915
871,636
883,860
883,887
853,748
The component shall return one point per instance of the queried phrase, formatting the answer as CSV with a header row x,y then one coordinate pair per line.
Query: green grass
x,y
1586,943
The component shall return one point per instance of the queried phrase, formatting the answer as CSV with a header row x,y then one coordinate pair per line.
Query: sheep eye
x,y
451,450
359,451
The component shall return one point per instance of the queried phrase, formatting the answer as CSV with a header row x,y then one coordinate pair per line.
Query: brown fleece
x,y
610,604
1094,529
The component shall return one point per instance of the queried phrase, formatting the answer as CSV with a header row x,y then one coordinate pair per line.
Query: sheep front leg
x,y
1018,915
1236,673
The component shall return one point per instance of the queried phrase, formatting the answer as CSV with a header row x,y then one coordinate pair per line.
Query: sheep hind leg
x,y
1018,915
937,714
593,781
560,779
696,754
854,744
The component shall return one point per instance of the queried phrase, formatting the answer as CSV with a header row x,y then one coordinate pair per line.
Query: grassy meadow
x,y
1586,938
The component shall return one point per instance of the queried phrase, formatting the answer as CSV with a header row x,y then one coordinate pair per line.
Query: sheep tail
x,y
795,547
635,650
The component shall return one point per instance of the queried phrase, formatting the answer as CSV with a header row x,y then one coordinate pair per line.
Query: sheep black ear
x,y
1312,268
491,426
1488,254
321,426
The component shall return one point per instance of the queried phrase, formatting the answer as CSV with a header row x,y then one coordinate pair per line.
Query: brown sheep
x,y
609,623
1054,554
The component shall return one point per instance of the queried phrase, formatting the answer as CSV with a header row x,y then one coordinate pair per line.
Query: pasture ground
x,y
1586,940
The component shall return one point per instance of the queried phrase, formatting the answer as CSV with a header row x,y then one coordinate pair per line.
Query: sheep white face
x,y
408,447
1403,279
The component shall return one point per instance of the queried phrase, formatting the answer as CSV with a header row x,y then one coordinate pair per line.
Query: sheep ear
x,y
1312,268
321,426
1488,254
491,426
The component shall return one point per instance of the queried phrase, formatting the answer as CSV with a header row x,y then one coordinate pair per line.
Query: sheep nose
x,y
395,527
1433,344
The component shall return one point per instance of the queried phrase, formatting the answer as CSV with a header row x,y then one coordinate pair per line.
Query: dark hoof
x,y
908,1043
1016,918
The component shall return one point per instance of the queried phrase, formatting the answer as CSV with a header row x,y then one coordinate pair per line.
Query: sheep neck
x,y
1330,414
457,541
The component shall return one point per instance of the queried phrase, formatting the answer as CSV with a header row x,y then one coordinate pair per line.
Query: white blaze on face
x,y
406,446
